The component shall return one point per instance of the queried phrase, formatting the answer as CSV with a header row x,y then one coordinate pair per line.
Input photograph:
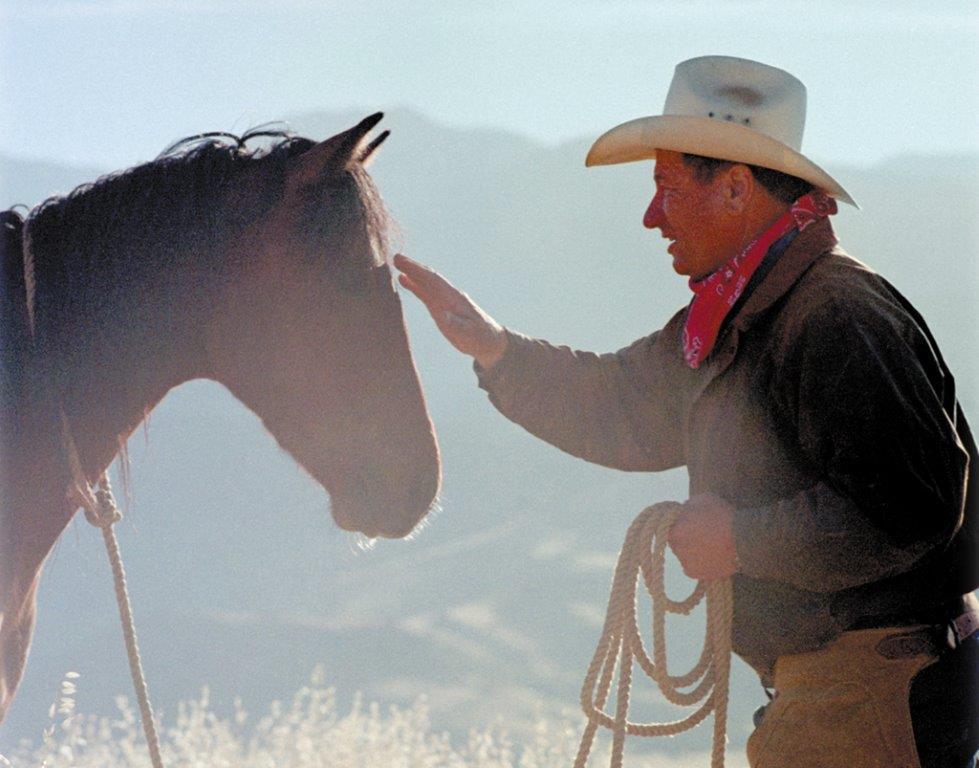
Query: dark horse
x,y
264,270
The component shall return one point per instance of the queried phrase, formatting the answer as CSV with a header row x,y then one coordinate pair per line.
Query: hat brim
x,y
639,139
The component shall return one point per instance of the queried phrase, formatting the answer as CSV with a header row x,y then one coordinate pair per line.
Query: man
x,y
829,460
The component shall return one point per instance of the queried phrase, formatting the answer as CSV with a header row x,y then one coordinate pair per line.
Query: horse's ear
x,y
365,155
336,153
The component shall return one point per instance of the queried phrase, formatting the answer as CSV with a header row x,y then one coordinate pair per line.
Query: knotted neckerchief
x,y
716,294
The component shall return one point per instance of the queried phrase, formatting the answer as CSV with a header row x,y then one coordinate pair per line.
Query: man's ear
x,y
739,187
334,154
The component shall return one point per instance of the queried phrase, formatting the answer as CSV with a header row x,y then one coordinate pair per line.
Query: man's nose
x,y
653,217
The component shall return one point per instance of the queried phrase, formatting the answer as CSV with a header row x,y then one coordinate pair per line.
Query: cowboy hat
x,y
727,108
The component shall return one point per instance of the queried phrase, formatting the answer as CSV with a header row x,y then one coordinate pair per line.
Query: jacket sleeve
x,y
861,388
621,409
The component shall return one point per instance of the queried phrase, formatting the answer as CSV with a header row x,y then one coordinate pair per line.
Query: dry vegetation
x,y
308,732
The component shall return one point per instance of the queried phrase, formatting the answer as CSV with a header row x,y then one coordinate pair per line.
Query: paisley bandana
x,y
716,294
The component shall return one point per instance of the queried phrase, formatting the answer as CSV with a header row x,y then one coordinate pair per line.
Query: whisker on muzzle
x,y
434,510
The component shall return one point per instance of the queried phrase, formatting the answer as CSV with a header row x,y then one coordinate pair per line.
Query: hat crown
x,y
748,93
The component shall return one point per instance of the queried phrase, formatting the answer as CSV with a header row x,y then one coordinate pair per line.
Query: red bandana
x,y
718,292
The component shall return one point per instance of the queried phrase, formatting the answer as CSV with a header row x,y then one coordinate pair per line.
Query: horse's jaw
x,y
379,506
374,524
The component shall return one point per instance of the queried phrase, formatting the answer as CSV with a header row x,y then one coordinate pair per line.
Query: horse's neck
x,y
108,369
32,470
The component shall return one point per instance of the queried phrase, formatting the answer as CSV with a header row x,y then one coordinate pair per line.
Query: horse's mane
x,y
15,339
170,199
105,237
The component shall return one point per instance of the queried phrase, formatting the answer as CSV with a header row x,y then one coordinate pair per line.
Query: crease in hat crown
x,y
729,108
742,92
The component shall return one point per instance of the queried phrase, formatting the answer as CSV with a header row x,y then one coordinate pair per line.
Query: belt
x,y
937,638
911,615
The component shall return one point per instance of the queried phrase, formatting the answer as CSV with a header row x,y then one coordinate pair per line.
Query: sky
x,y
111,82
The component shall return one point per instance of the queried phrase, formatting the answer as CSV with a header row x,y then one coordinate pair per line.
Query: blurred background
x,y
240,580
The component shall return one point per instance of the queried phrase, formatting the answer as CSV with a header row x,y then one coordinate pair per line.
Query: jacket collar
x,y
814,241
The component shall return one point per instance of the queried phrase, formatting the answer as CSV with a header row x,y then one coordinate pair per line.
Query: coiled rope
x,y
644,552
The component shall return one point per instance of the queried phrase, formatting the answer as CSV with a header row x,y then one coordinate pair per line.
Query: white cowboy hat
x,y
728,108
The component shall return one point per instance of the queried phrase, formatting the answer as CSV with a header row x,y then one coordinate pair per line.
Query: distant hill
x,y
241,580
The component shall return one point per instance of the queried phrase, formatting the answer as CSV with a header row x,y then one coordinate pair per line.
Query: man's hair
x,y
783,187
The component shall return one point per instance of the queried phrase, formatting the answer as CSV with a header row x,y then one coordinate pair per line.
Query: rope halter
x,y
106,512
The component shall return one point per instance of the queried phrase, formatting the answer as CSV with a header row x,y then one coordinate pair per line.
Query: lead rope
x,y
644,552
102,511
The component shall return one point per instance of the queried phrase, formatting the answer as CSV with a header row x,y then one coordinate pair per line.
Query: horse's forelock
x,y
377,220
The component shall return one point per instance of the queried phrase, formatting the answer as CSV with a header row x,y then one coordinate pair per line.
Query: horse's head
x,y
308,332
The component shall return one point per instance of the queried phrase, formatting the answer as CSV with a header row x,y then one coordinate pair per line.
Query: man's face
x,y
692,214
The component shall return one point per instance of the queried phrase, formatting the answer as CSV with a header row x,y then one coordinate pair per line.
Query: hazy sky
x,y
111,82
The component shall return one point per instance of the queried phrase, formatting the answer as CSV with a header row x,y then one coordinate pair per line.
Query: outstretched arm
x,y
622,409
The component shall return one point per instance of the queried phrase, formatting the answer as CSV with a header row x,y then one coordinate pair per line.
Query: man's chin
x,y
686,269
680,267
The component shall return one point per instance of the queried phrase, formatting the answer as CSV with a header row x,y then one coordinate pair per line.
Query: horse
x,y
264,269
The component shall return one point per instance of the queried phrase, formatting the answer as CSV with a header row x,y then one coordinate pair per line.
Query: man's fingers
x,y
448,315
414,270
403,263
677,534
463,323
406,282
422,291
412,286
424,275
436,299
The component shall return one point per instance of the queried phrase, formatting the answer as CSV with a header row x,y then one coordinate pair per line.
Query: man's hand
x,y
467,327
702,538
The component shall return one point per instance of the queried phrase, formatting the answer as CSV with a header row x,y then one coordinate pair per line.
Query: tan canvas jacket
x,y
824,415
